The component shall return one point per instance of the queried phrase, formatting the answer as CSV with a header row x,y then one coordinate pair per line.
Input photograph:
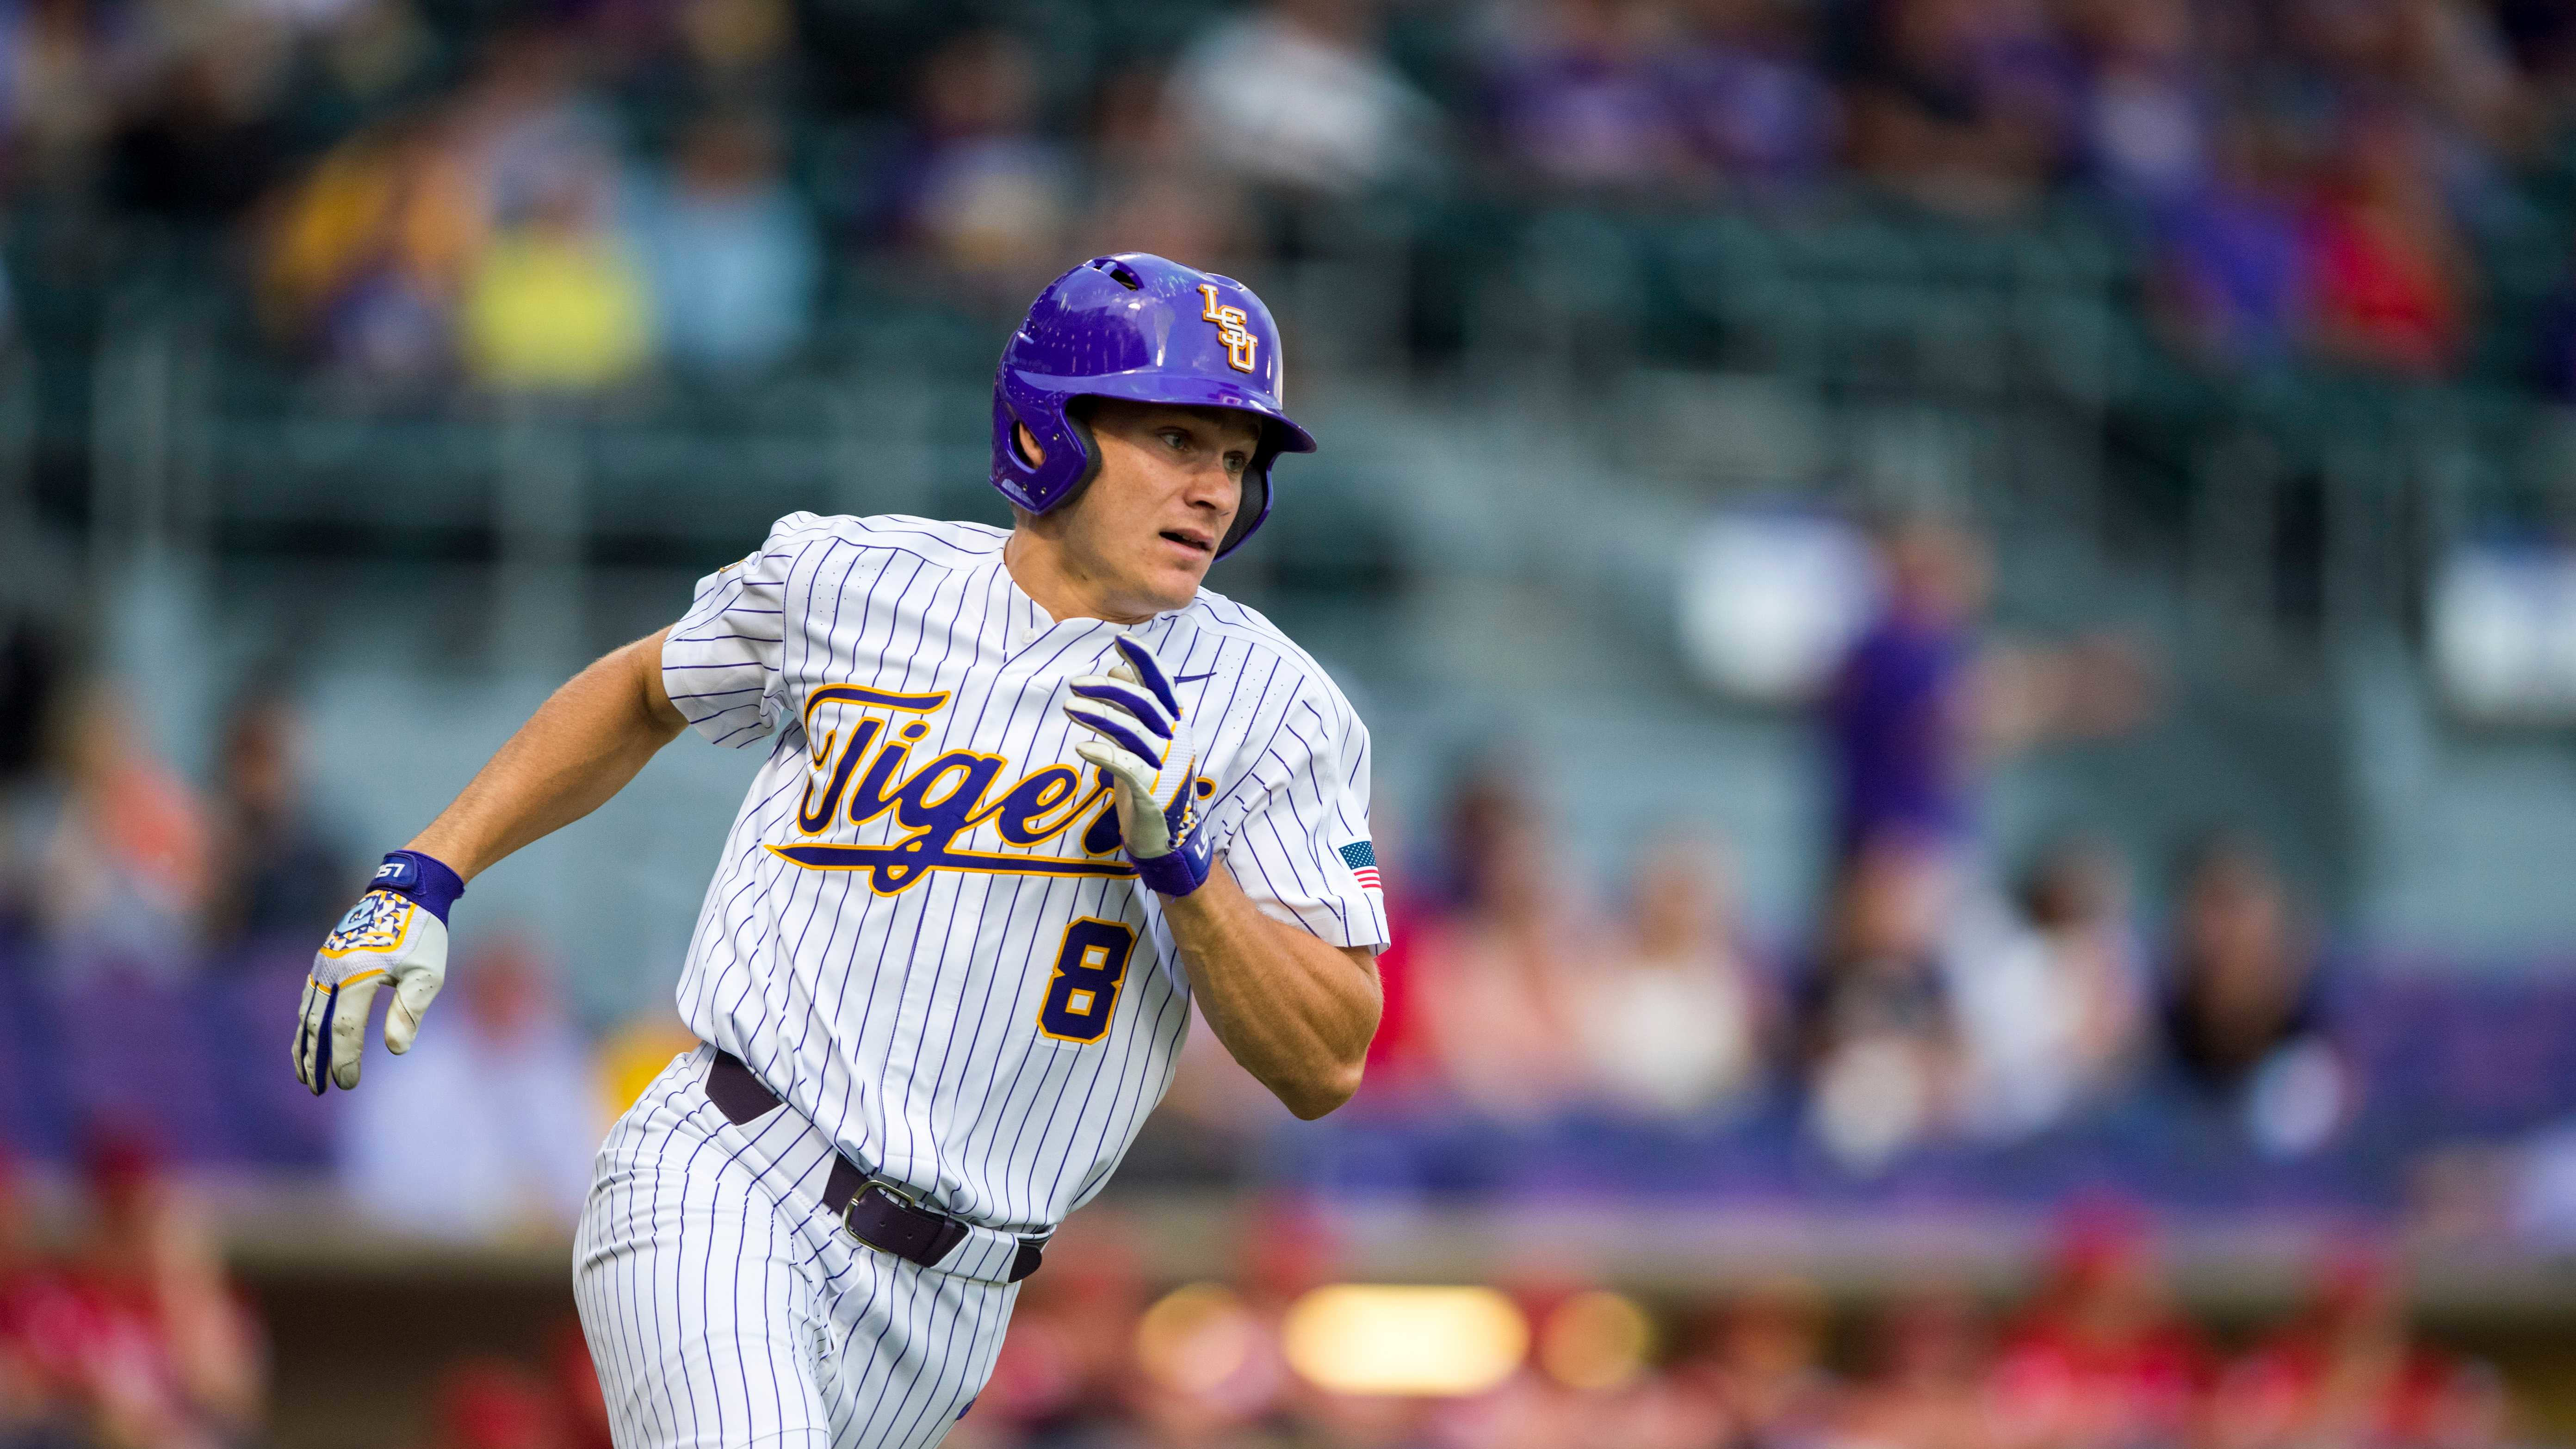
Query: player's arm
x,y
1295,1010
580,747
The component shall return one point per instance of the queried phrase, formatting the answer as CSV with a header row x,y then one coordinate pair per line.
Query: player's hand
x,y
1145,743
396,932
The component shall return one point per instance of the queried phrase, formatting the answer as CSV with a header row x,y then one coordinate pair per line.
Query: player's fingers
x,y
317,1059
307,1020
1130,771
1132,700
1118,729
347,1026
412,996
1149,672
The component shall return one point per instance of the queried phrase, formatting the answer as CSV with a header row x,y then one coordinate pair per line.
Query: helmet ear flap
x,y
1066,455
1077,429
1254,505
1248,514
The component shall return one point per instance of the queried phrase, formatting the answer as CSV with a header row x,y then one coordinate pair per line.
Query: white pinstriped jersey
x,y
923,935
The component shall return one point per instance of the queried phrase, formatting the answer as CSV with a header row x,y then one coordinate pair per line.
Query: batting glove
x,y
1145,743
396,932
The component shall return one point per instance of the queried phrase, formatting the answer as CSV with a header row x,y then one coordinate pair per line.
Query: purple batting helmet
x,y
1139,327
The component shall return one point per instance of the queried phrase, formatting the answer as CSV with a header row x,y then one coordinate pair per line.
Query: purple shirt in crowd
x,y
1897,719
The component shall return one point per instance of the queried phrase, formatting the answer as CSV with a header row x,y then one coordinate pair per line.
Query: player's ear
x,y
1028,443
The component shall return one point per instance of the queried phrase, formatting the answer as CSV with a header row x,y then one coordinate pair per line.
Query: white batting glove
x,y
396,932
1145,743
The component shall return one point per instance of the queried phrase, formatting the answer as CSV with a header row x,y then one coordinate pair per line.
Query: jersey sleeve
x,y
1303,851
721,662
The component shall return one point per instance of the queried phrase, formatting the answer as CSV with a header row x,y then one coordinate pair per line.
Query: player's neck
x,y
1044,570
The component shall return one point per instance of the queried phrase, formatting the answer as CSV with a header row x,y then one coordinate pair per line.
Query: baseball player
x,y
1028,794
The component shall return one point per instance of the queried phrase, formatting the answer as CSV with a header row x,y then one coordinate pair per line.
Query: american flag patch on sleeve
x,y
1361,857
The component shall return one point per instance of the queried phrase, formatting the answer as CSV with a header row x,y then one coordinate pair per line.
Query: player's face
x,y
1170,481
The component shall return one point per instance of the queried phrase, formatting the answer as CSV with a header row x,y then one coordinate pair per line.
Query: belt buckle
x,y
893,1190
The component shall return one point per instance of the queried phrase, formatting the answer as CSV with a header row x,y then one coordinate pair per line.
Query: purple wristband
x,y
1178,873
424,879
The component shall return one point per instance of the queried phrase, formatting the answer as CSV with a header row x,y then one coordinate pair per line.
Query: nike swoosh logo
x,y
1192,678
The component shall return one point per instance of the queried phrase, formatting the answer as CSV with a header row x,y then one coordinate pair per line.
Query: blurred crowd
x,y
126,1331
566,201
1936,1000
1931,1000
2096,1355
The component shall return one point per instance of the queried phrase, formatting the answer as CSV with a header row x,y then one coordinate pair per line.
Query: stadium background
x,y
1966,605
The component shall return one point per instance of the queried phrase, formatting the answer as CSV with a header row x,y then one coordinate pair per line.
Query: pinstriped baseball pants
x,y
725,1308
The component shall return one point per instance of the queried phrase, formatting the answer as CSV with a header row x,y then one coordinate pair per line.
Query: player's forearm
x,y
579,748
1295,1011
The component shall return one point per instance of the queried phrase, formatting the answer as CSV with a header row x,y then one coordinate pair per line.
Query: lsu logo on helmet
x,y
1240,344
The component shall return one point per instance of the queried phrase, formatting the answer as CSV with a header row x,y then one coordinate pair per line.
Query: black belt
x,y
877,1212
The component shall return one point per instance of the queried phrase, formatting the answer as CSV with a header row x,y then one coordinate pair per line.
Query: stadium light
x,y
1384,1339
1595,1340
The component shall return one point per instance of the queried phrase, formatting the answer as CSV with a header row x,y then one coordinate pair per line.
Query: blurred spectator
x,y
2052,1014
531,130
1676,1021
1067,1364
280,874
488,1126
118,843
2101,1357
1399,1058
1154,193
34,1413
142,1333
2477,108
2530,1190
2391,274
1881,1040
2245,1020
2349,1371
209,140
1965,105
1904,712
559,302
372,257
1497,981
730,249
1575,97
1763,1362
2145,120
1923,700
1745,94
368,253
985,196
2233,270
1296,95
1488,805
63,66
